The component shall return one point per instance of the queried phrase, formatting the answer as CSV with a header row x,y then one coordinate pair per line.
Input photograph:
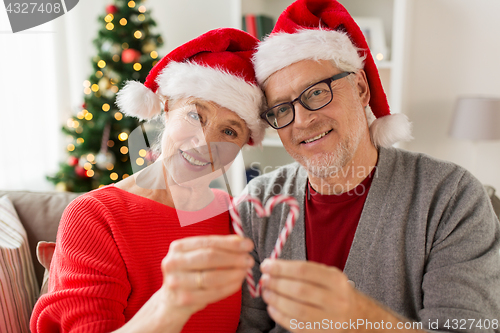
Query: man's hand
x,y
301,292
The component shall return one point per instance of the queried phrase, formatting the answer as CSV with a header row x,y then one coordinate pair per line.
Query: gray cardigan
x,y
427,244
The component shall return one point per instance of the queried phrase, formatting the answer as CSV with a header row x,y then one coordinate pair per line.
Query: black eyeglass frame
x,y
328,81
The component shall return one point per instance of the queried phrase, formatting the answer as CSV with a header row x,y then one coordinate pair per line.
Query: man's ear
x,y
363,87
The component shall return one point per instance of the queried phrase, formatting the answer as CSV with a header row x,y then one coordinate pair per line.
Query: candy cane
x,y
254,288
289,224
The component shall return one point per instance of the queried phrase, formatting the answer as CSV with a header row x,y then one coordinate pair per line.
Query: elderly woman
x,y
136,256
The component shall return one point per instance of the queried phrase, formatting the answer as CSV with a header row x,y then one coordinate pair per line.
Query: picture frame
x,y
373,29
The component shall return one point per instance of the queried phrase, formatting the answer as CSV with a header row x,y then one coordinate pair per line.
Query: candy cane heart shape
x,y
254,288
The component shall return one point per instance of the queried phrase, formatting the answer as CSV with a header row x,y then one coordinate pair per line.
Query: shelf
x,y
272,142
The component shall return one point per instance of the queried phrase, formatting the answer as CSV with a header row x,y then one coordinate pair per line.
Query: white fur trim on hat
x,y
280,50
386,131
187,79
136,100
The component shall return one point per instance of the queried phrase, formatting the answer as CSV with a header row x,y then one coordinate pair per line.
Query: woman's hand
x,y
197,271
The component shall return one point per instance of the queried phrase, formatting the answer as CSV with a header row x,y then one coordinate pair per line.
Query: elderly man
x,y
386,239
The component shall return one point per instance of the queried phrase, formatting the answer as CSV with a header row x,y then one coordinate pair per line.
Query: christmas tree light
x,y
123,136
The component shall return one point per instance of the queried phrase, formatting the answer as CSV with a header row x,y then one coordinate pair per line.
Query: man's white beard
x,y
328,164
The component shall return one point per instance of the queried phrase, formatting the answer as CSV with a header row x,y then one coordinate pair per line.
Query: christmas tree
x,y
98,151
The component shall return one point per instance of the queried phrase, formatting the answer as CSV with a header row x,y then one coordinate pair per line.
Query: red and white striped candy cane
x,y
254,288
289,224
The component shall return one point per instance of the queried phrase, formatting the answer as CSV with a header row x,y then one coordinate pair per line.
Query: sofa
x,y
495,201
39,213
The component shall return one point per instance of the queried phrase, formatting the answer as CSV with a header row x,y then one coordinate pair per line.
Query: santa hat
x,y
324,30
215,66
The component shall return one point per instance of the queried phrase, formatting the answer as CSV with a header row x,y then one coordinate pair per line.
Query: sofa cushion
x,y
40,213
44,253
18,285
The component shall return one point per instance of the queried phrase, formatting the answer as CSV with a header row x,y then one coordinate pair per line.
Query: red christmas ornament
x,y
111,9
84,106
80,172
130,55
72,161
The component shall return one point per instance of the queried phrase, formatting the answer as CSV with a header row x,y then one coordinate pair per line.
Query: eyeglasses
x,y
312,98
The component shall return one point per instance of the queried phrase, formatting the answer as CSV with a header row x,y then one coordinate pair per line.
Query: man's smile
x,y
317,137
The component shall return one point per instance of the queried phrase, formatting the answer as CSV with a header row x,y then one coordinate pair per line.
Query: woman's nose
x,y
206,134
210,134
198,137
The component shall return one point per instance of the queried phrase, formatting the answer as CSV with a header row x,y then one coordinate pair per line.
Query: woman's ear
x,y
165,106
165,110
363,87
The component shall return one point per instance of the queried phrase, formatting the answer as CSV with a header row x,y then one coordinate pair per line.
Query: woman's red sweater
x,y
107,263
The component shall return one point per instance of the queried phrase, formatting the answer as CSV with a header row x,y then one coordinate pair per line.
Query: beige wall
x,y
455,50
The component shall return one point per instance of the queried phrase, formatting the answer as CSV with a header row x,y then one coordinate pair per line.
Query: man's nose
x,y
303,117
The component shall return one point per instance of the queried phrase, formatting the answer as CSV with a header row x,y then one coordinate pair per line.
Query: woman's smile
x,y
194,160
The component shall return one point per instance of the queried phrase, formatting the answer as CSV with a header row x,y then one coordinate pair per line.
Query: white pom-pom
x,y
136,100
386,131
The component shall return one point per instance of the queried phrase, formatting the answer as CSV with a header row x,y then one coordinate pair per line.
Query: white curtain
x,y
41,75
28,107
